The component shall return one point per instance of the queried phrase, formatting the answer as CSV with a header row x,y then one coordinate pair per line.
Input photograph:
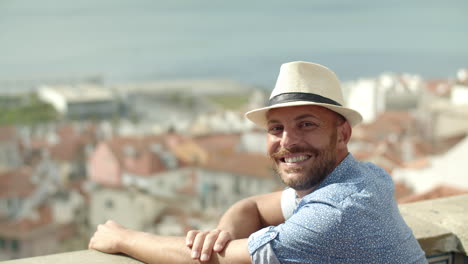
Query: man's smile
x,y
295,158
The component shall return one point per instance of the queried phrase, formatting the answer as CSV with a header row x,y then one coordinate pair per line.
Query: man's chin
x,y
292,178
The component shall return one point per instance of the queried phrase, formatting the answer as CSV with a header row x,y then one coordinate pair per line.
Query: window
x,y
109,204
2,243
15,245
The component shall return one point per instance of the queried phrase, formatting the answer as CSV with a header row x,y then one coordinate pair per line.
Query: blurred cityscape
x,y
170,156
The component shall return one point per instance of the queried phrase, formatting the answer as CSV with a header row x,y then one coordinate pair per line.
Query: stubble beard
x,y
324,163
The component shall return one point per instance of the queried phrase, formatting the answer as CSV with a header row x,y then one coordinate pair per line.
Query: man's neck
x,y
300,194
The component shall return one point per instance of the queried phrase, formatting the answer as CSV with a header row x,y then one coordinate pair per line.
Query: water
x,y
245,40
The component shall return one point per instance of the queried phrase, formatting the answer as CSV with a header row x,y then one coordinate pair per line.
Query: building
x,y
36,218
84,101
449,169
385,93
10,152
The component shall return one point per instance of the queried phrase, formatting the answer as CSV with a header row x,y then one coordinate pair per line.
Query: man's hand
x,y
204,243
108,237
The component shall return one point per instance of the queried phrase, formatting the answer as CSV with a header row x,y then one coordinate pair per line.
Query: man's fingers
x,y
208,245
223,238
204,243
190,237
198,244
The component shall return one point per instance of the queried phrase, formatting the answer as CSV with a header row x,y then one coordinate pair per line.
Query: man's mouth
x,y
295,159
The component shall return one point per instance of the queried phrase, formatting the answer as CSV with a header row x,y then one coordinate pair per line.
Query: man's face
x,y
302,143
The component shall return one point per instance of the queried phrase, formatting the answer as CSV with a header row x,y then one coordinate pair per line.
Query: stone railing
x,y
440,225
75,257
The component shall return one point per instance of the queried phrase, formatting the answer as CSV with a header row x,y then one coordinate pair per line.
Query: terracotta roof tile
x,y
249,164
67,150
386,123
72,142
437,192
442,146
16,183
135,156
7,133
186,150
20,228
417,164
402,190
218,143
439,87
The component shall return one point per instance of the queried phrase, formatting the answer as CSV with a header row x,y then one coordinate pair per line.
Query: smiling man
x,y
335,209
308,152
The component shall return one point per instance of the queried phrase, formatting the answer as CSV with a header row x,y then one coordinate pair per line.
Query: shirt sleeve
x,y
288,202
259,248
307,235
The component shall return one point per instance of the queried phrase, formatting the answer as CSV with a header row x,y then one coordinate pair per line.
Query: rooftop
x,y
81,92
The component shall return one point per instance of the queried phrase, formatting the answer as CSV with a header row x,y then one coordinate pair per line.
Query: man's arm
x,y
249,215
240,220
113,238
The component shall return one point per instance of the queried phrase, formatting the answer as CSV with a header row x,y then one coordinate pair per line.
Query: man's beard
x,y
324,163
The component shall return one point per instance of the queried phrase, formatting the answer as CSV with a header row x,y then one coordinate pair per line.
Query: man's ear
x,y
343,134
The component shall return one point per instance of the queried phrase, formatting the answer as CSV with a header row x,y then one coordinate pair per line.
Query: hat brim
x,y
259,116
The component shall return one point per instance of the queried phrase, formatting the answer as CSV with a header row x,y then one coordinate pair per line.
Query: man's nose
x,y
289,138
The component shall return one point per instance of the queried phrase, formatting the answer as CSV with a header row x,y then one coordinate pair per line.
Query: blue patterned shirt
x,y
351,217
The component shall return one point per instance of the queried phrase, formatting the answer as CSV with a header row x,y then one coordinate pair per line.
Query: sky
x,y
137,41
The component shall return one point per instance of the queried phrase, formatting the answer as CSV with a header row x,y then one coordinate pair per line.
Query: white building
x,y
370,97
221,122
448,169
80,101
459,95
132,209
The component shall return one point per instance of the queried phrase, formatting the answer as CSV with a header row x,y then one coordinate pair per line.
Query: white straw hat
x,y
304,83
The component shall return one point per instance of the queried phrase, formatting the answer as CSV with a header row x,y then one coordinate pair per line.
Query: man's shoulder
x,y
353,177
353,169
351,192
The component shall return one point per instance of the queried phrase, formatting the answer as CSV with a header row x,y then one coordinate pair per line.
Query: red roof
x,y
437,192
386,123
218,143
16,183
20,228
402,190
439,87
249,164
7,133
135,156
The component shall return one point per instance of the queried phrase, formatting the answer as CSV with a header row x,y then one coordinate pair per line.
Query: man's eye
x,y
275,129
307,124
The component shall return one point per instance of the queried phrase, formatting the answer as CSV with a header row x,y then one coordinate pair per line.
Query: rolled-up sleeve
x,y
306,237
260,248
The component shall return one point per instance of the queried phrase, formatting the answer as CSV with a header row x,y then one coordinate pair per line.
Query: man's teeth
x,y
296,159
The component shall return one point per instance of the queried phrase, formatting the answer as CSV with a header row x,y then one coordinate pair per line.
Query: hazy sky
x,y
128,40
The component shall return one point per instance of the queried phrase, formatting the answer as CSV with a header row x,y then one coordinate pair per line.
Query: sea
x,y
126,41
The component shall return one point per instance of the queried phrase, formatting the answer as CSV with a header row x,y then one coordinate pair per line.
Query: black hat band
x,y
293,97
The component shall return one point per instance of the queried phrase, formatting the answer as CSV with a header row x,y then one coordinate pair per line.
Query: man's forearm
x,y
241,220
249,215
163,249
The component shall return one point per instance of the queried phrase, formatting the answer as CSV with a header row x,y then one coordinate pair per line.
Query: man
x,y
336,209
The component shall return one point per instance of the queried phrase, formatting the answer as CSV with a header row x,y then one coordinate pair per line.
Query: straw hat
x,y
304,83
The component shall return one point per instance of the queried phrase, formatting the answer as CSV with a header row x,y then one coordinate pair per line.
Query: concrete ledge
x,y
440,225
77,257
